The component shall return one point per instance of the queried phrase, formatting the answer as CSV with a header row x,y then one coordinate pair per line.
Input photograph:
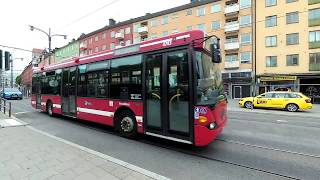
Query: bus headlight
x,y
212,125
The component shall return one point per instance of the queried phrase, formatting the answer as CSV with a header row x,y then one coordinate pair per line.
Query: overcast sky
x,y
62,16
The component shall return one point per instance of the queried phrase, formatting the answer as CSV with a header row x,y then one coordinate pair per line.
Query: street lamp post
x,y
49,35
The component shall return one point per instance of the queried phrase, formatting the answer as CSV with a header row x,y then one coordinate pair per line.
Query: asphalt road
x,y
252,146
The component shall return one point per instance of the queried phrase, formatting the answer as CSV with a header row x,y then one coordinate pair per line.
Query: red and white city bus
x,y
170,87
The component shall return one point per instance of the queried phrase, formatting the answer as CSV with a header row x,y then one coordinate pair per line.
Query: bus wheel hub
x,y
127,124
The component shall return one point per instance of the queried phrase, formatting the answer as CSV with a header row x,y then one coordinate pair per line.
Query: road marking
x,y
282,121
104,156
23,112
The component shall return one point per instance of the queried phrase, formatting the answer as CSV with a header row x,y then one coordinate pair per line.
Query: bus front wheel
x,y
50,108
127,124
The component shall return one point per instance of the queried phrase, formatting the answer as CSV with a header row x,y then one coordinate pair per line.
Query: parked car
x,y
291,101
11,93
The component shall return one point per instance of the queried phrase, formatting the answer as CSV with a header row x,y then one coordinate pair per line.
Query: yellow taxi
x,y
291,101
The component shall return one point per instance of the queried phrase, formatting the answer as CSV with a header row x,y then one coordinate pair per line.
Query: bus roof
x,y
170,41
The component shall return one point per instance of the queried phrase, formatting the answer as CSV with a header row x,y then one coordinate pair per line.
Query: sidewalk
x,y
28,153
314,112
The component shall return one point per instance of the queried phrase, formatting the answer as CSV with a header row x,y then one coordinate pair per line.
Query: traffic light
x,y
1,59
7,60
215,50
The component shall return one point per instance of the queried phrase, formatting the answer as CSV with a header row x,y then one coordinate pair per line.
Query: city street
x,y
254,145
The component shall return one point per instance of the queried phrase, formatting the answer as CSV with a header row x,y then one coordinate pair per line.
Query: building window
x,y
154,22
189,12
314,39
90,41
215,8
314,62
128,30
290,1
201,27
314,17
231,57
245,21
292,39
292,17
175,16
96,38
271,21
136,27
104,36
153,36
201,11
271,61
271,41
165,33
128,42
104,47
112,34
293,60
189,28
165,20
112,46
271,3
174,31
245,4
245,57
96,49
215,25
245,38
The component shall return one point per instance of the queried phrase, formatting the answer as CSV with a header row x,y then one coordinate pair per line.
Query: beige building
x,y
288,45
230,20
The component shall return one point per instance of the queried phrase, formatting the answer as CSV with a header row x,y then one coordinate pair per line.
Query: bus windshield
x,y
209,80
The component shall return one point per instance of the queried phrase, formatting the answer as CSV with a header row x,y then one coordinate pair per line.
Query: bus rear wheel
x,y
127,124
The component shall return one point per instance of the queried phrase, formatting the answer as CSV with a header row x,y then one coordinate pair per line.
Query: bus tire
x,y
126,124
49,108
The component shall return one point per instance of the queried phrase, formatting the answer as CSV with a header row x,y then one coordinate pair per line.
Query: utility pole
x,y
11,60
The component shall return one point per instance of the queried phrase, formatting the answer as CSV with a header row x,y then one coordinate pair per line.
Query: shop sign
x,y
279,78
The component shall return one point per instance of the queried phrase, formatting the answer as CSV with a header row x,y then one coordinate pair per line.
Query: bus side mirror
x,y
215,52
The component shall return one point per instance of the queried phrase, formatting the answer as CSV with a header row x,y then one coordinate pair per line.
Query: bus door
x,y
69,91
167,96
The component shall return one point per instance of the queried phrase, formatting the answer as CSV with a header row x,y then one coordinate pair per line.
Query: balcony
x,y
314,67
313,2
231,27
119,35
231,46
231,64
314,22
83,47
143,30
314,45
231,9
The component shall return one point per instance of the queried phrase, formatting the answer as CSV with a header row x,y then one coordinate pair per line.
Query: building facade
x,y
230,20
67,51
288,45
110,37
26,80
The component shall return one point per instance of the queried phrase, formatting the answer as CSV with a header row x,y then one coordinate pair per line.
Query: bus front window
x,y
209,81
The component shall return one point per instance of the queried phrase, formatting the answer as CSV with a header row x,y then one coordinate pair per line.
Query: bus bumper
x,y
204,136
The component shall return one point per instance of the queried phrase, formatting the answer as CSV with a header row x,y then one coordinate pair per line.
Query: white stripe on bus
x,y
99,55
154,43
96,112
57,106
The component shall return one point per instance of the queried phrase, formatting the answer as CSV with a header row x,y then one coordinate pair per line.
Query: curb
x,y
274,112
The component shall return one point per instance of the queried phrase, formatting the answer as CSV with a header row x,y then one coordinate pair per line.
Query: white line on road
x,y
24,112
282,121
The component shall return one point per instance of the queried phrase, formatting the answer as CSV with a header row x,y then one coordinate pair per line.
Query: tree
x,y
18,80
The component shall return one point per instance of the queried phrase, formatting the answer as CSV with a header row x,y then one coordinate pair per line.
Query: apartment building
x,y
68,51
230,20
109,37
288,45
